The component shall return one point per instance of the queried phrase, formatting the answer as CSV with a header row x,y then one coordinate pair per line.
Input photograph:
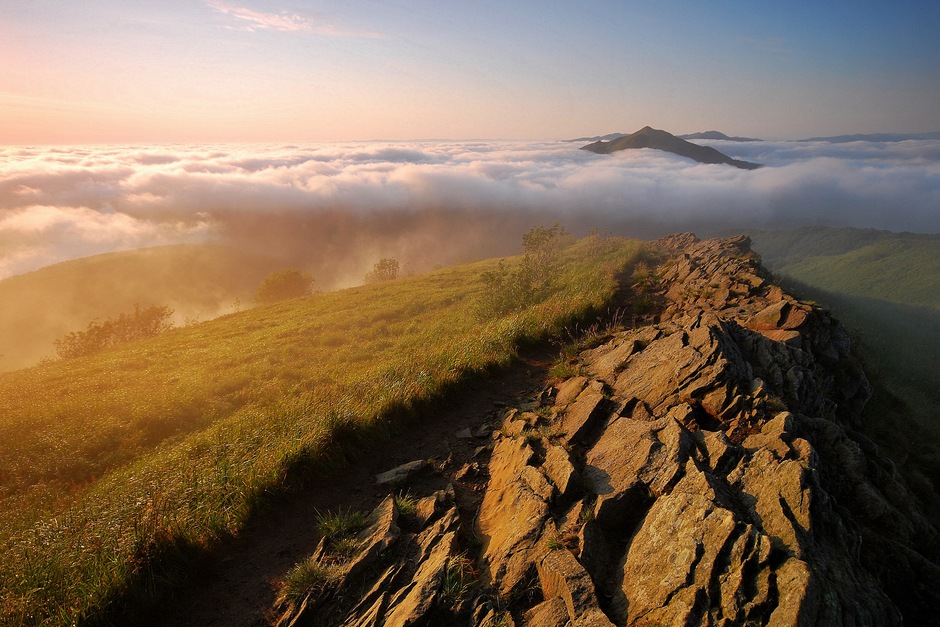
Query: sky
x,y
182,71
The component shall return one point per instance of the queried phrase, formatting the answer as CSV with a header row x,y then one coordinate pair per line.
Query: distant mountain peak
x,y
649,137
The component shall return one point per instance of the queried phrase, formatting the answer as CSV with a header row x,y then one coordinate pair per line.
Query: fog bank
x,y
336,208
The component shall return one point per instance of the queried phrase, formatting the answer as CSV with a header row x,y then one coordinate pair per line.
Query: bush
x,y
385,269
506,290
284,285
113,331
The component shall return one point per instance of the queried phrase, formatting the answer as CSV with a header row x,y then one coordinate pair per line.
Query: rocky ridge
x,y
700,468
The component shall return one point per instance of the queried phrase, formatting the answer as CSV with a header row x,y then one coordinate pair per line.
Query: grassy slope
x,y
117,462
896,270
885,287
195,280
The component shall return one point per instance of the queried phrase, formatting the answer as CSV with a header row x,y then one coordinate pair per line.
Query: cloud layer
x,y
342,205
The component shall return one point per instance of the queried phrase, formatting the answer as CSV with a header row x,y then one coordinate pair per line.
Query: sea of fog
x,y
433,202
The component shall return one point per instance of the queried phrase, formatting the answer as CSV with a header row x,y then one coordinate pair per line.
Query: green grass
x,y
117,468
339,524
406,504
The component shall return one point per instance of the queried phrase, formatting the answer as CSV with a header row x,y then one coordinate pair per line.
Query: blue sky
x,y
264,70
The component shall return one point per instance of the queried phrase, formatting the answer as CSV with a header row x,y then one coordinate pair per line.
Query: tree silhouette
x,y
384,270
284,285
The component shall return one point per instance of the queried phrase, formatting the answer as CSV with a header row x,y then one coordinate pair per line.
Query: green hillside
x,y
197,281
885,287
116,465
897,267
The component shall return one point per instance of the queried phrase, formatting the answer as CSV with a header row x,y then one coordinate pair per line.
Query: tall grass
x,y
117,468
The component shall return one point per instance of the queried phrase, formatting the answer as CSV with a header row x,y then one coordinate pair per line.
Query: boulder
x,y
400,474
561,576
511,515
582,417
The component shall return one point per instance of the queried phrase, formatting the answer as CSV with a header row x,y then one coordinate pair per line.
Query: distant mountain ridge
x,y
873,137
607,137
718,135
648,137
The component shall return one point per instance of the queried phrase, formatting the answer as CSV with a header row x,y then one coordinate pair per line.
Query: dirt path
x,y
236,586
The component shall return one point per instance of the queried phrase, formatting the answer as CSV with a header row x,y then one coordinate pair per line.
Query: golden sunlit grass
x,y
115,467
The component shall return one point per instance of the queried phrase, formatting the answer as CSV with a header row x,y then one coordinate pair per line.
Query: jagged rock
x,y
561,576
630,455
614,360
568,390
582,417
482,431
381,530
676,564
426,509
560,471
512,513
708,475
400,474
425,586
550,613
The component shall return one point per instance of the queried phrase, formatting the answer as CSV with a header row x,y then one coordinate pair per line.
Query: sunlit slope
x,y
197,281
112,462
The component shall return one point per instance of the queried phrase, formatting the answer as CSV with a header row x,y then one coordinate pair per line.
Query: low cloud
x,y
337,207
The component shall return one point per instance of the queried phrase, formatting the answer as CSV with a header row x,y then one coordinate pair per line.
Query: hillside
x,y
898,267
120,467
648,137
696,457
196,281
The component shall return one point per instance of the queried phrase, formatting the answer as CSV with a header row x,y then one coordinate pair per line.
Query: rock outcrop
x,y
704,469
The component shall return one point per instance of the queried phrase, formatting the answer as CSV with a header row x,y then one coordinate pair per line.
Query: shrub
x,y
385,269
113,331
284,285
508,289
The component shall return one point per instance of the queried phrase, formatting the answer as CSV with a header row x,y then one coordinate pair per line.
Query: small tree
x,y
542,245
385,269
284,285
506,289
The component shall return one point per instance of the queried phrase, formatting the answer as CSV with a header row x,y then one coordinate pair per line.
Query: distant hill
x,y
661,140
874,137
607,137
197,281
719,135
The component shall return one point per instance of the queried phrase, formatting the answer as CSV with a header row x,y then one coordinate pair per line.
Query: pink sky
x,y
266,70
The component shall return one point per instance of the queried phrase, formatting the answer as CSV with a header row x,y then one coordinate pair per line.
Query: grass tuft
x,y
338,525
